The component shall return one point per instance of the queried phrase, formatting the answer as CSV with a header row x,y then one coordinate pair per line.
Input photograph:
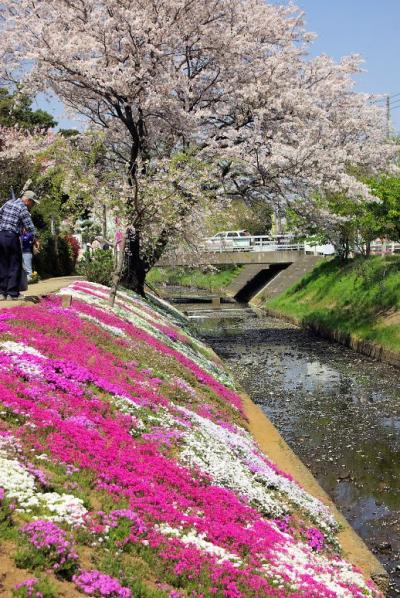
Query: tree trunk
x,y
119,266
136,267
104,222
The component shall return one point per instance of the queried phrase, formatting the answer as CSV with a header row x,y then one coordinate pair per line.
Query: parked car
x,y
230,240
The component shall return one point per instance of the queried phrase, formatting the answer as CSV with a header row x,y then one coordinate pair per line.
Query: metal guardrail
x,y
264,243
271,244
256,243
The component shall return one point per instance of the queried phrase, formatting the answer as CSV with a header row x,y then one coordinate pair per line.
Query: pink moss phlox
x,y
134,332
140,309
315,538
95,583
66,396
29,588
47,537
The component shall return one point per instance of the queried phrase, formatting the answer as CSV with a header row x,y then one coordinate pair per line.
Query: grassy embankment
x,y
212,281
361,298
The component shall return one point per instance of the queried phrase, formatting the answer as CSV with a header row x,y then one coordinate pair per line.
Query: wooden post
x,y
216,302
66,300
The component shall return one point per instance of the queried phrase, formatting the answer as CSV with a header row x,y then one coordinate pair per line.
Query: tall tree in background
x,y
230,77
18,124
16,111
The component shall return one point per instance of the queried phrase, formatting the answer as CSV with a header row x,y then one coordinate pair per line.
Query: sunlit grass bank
x,y
213,280
361,298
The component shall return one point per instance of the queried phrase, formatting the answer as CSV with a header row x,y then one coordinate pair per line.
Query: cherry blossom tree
x,y
230,78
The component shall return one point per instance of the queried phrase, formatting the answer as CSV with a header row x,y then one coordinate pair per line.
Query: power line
x,y
388,117
384,98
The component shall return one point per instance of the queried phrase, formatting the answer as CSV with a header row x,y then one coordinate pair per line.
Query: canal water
x,y
338,410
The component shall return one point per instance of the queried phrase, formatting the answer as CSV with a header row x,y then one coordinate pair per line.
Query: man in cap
x,y
14,217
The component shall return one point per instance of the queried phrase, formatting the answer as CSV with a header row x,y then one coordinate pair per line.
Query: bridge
x,y
270,265
244,250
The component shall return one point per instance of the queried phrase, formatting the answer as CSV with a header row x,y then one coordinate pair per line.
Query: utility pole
x,y
388,116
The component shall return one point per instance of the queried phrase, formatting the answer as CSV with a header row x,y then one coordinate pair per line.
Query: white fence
x,y
266,244
249,243
262,244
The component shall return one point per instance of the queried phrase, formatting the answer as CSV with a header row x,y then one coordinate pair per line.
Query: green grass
x,y
214,280
357,298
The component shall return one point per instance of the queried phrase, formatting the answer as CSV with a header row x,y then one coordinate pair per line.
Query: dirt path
x,y
41,289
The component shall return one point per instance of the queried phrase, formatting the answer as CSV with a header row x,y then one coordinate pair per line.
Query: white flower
x,y
18,483
14,348
191,537
240,459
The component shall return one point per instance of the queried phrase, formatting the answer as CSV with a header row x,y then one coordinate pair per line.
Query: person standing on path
x,y
14,217
28,242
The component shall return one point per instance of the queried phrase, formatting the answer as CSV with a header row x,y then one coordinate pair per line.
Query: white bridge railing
x,y
250,243
267,243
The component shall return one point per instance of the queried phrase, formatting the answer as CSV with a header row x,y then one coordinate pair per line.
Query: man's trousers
x,y
10,263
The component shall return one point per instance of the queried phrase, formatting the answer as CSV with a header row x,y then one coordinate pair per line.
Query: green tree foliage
x,y
256,218
387,213
362,223
13,175
68,133
16,110
57,256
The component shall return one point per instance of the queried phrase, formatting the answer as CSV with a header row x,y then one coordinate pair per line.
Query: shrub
x,y
98,267
47,545
46,262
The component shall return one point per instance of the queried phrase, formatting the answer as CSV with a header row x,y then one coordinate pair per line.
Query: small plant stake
x,y
66,301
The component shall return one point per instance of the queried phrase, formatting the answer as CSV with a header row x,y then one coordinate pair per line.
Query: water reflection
x,y
312,376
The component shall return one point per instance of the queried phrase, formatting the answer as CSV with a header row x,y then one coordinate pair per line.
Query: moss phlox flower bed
x,y
126,468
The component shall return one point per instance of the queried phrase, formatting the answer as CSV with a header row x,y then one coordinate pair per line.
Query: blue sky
x,y
366,27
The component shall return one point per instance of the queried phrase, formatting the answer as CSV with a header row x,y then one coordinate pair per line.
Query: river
x,y
338,410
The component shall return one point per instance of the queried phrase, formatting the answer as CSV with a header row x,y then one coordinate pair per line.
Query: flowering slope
x,y
127,470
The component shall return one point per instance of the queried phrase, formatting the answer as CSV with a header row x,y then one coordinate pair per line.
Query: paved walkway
x,y
41,289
